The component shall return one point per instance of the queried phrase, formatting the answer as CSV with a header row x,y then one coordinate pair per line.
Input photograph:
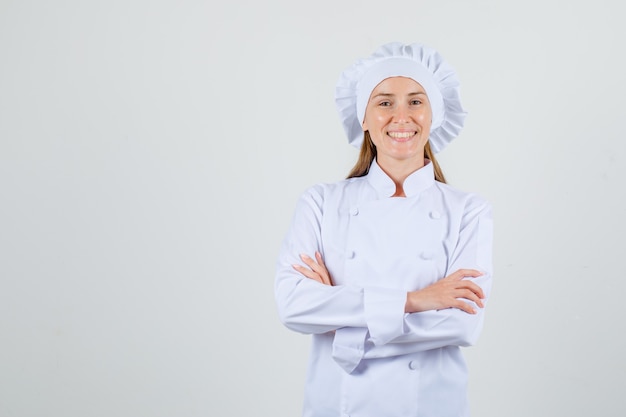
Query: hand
x,y
448,293
317,270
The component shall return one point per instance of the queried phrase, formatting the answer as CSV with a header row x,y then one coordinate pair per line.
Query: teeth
x,y
401,135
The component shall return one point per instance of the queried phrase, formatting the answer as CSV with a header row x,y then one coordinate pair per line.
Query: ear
x,y
364,126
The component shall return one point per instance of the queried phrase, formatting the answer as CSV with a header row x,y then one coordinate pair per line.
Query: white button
x,y
413,365
435,214
351,254
427,255
354,211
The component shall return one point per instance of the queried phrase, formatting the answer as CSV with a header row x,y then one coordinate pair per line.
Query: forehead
x,y
398,85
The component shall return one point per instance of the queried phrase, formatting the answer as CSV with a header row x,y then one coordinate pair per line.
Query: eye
x,y
416,102
385,103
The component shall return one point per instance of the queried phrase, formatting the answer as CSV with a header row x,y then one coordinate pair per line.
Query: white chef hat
x,y
415,61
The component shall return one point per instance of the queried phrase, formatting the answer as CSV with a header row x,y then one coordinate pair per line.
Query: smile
x,y
401,135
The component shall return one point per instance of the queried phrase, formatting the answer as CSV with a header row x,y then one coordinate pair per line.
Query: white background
x,y
151,153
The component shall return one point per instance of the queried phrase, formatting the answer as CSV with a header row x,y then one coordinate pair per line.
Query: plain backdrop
x,y
151,154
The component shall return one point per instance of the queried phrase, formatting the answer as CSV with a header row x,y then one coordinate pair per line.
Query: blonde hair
x,y
367,155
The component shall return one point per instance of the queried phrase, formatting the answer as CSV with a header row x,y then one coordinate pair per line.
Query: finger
x,y
472,286
461,305
317,271
470,273
466,273
320,260
471,296
324,273
307,273
317,267
308,261
326,279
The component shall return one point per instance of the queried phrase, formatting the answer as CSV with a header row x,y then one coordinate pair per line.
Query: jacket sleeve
x,y
370,322
305,305
438,328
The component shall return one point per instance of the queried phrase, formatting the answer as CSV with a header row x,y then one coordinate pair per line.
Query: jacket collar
x,y
415,183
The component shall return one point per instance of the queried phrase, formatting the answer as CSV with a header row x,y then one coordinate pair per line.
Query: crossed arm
x,y
448,292
372,321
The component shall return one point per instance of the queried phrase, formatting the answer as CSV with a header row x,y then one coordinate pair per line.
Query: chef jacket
x,y
368,357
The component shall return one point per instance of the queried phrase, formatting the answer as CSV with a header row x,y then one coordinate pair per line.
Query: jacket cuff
x,y
349,347
384,313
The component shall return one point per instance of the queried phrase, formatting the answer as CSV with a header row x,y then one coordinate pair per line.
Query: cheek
x,y
374,121
425,118
424,122
428,117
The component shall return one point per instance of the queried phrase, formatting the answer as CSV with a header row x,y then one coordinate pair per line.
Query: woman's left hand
x,y
317,270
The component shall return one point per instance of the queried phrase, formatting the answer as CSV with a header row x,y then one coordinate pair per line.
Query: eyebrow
x,y
416,93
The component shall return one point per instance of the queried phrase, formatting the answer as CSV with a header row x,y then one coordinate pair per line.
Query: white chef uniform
x,y
368,357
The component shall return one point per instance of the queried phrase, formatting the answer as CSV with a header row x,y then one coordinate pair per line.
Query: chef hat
x,y
415,61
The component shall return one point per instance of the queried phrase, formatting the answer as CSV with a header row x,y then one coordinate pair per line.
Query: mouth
x,y
401,136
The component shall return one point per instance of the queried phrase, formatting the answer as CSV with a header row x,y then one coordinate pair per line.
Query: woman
x,y
389,270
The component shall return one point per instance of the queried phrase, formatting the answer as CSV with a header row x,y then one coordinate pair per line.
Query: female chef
x,y
390,269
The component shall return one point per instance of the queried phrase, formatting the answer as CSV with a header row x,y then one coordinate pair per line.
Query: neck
x,y
399,170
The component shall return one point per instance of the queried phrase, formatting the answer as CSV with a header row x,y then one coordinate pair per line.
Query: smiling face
x,y
398,117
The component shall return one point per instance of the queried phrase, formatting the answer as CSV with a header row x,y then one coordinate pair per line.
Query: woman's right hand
x,y
317,271
448,292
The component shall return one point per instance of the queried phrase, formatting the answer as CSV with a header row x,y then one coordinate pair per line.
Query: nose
x,y
402,114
